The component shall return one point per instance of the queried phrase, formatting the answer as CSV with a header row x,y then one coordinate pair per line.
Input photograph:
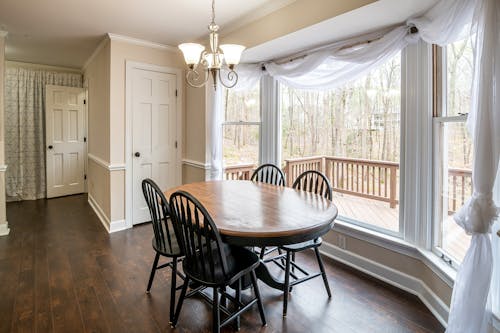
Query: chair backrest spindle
x,y
315,182
270,174
198,236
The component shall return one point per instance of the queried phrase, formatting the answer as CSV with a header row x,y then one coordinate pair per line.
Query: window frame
x,y
245,123
401,221
439,120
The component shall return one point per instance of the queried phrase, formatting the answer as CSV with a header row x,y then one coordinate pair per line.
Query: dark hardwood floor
x,y
60,271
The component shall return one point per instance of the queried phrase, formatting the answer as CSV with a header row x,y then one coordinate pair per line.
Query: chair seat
x,y
240,261
302,246
166,249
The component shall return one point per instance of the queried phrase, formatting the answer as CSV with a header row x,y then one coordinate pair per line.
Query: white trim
x,y
99,212
104,164
3,33
141,42
94,54
129,66
3,168
29,65
4,229
110,226
440,268
393,277
196,164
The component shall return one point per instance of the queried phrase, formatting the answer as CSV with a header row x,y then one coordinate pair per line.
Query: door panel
x,y
65,140
153,134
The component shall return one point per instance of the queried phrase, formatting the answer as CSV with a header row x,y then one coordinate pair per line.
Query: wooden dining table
x,y
251,214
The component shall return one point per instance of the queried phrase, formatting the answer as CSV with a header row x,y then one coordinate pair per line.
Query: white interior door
x,y
153,134
65,132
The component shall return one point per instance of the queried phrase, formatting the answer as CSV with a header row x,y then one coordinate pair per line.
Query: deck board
x,y
378,213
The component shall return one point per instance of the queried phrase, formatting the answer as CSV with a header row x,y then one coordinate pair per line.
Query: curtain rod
x,y
411,30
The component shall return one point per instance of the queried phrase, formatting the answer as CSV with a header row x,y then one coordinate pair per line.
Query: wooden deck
x,y
379,214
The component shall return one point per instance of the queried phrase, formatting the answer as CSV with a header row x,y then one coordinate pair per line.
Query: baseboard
x,y
117,225
99,212
391,276
4,229
110,226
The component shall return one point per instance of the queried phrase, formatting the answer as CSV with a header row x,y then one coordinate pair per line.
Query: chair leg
x,y
293,259
262,252
286,289
215,312
323,273
173,288
181,300
153,271
259,299
238,298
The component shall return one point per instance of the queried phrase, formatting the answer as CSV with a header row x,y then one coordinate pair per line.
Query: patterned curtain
x,y
25,129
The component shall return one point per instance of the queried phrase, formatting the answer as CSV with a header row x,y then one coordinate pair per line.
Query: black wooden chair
x,y
270,174
315,182
164,240
211,263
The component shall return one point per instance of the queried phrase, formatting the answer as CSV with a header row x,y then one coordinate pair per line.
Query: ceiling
x,y
66,32
377,15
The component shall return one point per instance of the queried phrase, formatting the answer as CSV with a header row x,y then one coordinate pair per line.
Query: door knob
x,y
137,154
50,147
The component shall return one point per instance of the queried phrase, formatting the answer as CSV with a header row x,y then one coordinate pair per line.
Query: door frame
x,y
130,66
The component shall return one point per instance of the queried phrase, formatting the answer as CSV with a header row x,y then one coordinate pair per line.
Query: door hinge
x,y
175,92
84,101
84,139
84,176
176,144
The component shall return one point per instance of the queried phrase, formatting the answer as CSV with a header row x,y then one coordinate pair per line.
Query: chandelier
x,y
211,63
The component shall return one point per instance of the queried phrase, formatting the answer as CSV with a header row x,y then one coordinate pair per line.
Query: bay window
x,y
352,134
241,131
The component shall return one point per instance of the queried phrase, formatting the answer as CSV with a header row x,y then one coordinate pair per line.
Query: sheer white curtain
x,y
445,23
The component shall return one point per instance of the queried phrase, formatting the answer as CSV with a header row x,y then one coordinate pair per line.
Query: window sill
x,y
398,245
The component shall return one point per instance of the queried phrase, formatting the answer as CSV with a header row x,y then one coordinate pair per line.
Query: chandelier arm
x,y
232,78
189,78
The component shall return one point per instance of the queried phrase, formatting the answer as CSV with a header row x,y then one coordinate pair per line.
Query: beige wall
x,y
298,15
121,52
400,262
3,218
96,78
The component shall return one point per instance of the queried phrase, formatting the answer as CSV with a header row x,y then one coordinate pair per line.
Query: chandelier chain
x,y
213,11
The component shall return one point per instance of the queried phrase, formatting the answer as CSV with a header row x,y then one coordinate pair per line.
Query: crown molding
x,y
141,42
96,51
3,33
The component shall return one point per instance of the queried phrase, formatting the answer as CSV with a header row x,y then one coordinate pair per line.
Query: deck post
x,y
392,195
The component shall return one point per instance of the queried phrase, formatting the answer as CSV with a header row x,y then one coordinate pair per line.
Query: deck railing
x,y
459,188
239,172
377,180
364,178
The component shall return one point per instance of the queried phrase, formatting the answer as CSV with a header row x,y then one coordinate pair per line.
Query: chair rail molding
x,y
196,164
106,165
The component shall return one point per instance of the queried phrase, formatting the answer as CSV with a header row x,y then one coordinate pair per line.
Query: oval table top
x,y
257,214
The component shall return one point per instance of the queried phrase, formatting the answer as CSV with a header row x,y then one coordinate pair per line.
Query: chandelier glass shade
x,y
219,58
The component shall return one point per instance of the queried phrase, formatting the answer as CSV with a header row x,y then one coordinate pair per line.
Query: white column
x,y
270,131
416,153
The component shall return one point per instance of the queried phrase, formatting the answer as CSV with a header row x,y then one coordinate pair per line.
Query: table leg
x,y
265,276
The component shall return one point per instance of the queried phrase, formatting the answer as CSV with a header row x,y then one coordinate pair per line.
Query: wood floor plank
x,y
60,271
